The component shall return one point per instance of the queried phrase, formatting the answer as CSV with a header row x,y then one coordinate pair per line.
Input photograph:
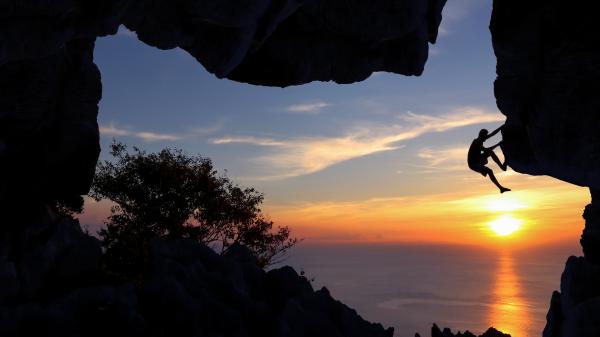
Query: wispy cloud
x,y
306,155
147,136
308,108
208,130
444,159
249,140
204,131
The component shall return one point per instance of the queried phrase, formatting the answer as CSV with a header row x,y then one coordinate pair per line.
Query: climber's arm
x,y
491,148
494,133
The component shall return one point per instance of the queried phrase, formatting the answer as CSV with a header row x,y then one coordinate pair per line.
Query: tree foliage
x,y
67,207
171,195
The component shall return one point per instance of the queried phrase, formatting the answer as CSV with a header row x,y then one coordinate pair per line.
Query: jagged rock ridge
x,y
53,285
437,332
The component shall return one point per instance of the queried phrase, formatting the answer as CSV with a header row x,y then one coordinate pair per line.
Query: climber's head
x,y
483,133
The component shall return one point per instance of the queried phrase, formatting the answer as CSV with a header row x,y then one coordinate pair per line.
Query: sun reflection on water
x,y
509,312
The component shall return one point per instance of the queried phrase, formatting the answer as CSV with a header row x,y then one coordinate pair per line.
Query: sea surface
x,y
409,287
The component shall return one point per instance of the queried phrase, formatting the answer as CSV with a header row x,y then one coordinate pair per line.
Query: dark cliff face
x,y
548,69
50,87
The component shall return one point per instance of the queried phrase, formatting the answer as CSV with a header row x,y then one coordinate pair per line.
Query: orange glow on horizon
x,y
546,211
538,211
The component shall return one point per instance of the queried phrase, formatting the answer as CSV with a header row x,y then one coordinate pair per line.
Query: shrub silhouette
x,y
171,195
67,207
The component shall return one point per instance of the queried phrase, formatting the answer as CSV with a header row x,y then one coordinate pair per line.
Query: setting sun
x,y
506,225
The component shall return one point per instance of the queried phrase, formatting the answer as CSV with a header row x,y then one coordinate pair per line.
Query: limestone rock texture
x,y
53,284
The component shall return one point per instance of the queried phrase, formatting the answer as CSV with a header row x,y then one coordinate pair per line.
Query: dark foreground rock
x,y
436,332
52,285
574,311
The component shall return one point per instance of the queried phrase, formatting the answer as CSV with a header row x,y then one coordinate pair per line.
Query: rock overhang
x,y
547,85
50,86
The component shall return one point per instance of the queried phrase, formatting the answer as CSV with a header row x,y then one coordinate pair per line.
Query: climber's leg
x,y
495,181
503,166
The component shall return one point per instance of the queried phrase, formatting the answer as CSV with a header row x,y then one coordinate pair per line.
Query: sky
x,y
383,160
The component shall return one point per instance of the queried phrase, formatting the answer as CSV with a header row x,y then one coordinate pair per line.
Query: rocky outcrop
x,y
50,87
266,42
47,257
574,311
590,238
53,285
48,127
436,332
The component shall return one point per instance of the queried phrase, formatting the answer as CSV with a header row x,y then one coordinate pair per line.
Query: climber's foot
x,y
504,166
504,189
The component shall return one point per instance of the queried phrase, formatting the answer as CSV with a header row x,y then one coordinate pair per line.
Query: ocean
x,y
409,287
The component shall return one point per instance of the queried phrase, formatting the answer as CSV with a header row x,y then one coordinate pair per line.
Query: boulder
x,y
46,257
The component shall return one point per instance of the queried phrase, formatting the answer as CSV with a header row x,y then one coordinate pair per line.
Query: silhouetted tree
x,y
67,207
172,195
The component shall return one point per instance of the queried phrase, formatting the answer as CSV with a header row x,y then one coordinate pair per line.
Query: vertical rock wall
x,y
49,140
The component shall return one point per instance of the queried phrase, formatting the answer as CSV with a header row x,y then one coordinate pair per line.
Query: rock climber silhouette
x,y
479,154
